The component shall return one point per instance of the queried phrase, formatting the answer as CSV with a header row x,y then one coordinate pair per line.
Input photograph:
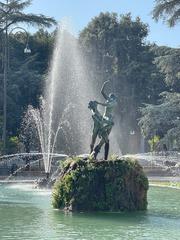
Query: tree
x,y
117,51
167,60
25,75
160,119
42,43
163,120
168,10
165,116
11,13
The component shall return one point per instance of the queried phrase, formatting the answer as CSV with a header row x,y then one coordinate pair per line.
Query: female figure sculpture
x,y
102,123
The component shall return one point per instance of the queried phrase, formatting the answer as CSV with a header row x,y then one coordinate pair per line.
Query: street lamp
x,y
5,73
20,29
132,132
27,49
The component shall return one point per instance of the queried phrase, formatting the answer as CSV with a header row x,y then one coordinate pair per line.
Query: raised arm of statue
x,y
102,90
102,104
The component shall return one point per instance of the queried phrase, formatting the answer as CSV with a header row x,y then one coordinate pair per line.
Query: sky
x,y
80,13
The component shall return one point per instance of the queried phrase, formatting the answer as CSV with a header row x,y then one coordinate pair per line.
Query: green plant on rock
x,y
111,185
143,181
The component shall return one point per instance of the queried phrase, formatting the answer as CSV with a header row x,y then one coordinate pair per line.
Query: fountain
x,y
160,166
62,122
26,167
62,118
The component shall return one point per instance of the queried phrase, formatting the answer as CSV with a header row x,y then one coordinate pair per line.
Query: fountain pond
x,y
26,213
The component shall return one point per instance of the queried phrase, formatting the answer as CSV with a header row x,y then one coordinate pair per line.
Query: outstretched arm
x,y
102,90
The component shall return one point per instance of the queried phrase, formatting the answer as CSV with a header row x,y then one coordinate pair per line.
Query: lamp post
x,y
5,78
20,29
132,134
5,87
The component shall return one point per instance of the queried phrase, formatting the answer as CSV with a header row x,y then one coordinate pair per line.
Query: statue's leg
x,y
94,136
103,133
96,151
106,147
106,150
104,139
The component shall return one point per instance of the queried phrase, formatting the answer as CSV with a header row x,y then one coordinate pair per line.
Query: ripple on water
x,y
28,215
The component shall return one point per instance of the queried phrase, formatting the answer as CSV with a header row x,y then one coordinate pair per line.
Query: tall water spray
x,y
63,120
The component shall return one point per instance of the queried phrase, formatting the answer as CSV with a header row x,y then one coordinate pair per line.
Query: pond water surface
x,y
27,214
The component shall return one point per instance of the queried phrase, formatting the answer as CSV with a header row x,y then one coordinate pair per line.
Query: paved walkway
x,y
17,181
164,179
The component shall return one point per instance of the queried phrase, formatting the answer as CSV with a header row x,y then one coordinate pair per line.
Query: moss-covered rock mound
x,y
113,185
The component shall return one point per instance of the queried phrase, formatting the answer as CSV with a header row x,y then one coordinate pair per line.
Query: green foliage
x,y
143,181
167,60
168,10
13,12
104,186
26,76
153,142
114,157
13,145
117,51
163,119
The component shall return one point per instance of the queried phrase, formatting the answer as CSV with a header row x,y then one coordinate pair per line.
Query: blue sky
x,y
82,11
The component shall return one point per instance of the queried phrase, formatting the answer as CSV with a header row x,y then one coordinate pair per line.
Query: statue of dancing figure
x,y
102,124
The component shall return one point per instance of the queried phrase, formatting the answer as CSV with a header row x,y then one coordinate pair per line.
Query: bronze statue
x,y
102,123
